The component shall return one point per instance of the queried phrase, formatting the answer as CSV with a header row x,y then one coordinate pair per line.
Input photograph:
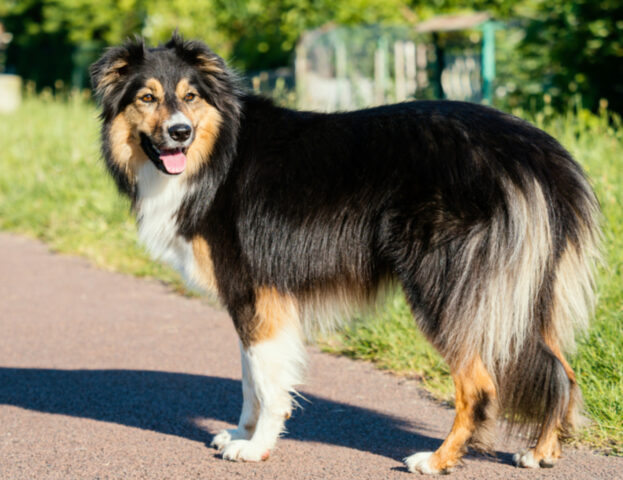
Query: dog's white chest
x,y
159,199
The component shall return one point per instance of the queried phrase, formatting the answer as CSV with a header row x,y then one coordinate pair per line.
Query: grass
x,y
53,186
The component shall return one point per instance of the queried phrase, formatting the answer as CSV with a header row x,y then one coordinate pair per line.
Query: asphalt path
x,y
107,376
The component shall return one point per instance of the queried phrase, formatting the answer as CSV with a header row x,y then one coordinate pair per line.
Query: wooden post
x,y
380,69
399,71
10,92
300,74
439,66
410,68
422,62
341,76
488,60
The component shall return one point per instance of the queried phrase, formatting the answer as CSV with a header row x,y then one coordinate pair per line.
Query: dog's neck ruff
x,y
159,198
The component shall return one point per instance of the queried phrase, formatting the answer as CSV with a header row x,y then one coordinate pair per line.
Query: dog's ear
x,y
115,64
196,54
221,84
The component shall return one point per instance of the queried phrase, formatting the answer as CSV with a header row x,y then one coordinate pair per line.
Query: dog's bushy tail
x,y
536,386
517,288
539,388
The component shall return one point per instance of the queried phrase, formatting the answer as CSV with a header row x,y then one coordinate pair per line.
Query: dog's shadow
x,y
172,402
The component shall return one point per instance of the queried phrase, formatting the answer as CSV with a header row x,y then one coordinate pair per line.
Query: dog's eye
x,y
189,97
147,98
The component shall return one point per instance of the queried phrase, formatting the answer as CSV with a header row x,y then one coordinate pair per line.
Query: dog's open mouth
x,y
169,161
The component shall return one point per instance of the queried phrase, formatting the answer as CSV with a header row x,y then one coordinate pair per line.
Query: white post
x,y
10,93
422,77
343,100
300,75
399,73
410,68
379,72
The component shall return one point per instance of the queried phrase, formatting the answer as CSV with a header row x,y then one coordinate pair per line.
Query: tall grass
x,y
53,187
597,142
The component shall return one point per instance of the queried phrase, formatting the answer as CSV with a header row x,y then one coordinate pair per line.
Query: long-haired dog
x,y
295,218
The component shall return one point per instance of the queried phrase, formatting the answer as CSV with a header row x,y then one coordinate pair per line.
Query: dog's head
x,y
165,105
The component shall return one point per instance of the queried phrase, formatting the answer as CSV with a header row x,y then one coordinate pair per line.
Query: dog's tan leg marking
x,y
473,384
273,312
571,416
546,452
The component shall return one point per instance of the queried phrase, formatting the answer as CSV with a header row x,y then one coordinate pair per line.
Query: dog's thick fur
x,y
295,218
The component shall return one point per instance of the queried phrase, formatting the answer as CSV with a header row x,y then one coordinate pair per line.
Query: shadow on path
x,y
170,402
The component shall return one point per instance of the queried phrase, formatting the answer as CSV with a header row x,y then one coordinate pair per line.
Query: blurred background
x,y
329,55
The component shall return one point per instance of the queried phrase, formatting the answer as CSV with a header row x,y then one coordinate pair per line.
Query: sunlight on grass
x,y
53,186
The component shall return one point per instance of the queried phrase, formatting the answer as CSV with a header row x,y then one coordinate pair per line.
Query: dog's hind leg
x,y
548,447
476,410
550,374
572,415
273,359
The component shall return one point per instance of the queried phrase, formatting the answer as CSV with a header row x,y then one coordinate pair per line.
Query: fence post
x,y
380,69
341,64
488,60
422,65
10,92
399,74
300,73
410,68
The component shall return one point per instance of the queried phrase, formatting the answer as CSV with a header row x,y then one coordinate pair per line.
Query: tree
x,y
256,34
563,48
577,48
35,53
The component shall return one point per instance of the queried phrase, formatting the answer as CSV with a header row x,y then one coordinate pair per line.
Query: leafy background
x,y
557,47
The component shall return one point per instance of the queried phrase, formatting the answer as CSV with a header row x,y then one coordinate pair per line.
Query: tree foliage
x,y
577,48
563,48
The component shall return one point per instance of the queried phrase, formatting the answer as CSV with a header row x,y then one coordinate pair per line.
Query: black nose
x,y
180,132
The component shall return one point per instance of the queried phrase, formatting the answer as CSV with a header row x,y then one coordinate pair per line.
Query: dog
x,y
298,219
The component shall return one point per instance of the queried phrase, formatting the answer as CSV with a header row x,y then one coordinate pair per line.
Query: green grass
x,y
53,186
598,144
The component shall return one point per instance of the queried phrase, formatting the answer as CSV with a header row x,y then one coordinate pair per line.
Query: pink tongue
x,y
174,162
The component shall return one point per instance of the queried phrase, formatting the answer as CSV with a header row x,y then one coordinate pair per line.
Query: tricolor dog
x,y
297,219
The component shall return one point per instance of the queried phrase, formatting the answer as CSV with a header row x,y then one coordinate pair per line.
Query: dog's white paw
x,y
224,437
245,451
419,462
526,459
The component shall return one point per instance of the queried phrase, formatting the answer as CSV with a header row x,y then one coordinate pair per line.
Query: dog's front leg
x,y
273,361
249,413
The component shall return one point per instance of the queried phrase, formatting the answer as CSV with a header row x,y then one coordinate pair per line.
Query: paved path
x,y
107,376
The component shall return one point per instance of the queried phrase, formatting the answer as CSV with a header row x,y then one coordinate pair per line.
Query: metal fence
x,y
343,68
